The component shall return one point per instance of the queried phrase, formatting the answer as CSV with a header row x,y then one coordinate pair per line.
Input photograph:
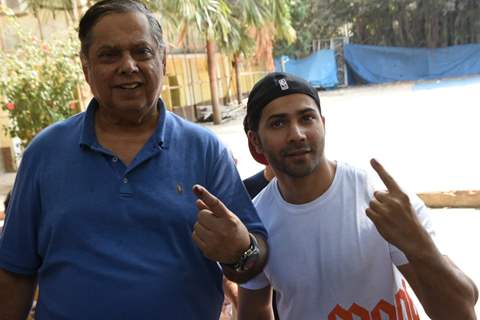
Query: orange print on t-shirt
x,y
403,307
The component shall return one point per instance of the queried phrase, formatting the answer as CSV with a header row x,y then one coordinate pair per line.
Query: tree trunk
x,y
456,29
445,41
2,39
236,67
39,23
212,74
75,13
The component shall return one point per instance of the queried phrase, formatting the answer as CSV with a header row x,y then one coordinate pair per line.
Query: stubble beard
x,y
295,169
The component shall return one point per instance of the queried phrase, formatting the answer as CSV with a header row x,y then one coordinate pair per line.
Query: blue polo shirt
x,y
109,241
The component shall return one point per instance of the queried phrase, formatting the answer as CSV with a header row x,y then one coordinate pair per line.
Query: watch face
x,y
251,261
249,258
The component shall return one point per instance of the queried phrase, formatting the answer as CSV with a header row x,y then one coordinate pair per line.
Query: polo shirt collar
x,y
161,135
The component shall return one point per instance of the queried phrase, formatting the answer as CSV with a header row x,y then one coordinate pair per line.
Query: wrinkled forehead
x,y
118,29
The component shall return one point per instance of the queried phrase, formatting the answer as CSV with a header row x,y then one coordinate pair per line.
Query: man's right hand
x,y
395,218
218,232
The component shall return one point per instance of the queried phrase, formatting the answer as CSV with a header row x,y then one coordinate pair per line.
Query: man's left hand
x,y
394,216
218,232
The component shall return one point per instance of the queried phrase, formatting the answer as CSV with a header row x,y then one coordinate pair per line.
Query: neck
x,y
126,123
306,189
268,173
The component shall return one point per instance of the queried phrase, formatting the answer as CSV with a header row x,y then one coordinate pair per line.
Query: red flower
x,y
44,47
73,105
10,106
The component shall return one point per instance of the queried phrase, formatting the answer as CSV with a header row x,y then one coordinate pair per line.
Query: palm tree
x,y
211,19
70,6
236,26
255,23
278,26
247,15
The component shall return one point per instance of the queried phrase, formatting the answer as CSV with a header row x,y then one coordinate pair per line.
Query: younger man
x,y
338,249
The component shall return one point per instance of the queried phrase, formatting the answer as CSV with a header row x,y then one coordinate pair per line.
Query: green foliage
x,y
403,23
39,82
245,15
228,22
209,17
300,11
414,23
280,16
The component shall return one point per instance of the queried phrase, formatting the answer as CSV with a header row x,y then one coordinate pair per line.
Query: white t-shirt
x,y
327,260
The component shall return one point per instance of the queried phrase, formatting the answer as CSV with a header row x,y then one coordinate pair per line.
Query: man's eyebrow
x,y
142,43
307,110
277,116
284,115
107,47
116,47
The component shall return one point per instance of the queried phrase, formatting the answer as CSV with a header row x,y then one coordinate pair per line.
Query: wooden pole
x,y
212,74
236,65
39,23
2,40
75,12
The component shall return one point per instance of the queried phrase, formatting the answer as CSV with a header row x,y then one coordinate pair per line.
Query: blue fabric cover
x,y
377,64
319,68
109,241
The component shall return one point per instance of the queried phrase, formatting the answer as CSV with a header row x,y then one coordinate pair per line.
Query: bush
x,y
40,82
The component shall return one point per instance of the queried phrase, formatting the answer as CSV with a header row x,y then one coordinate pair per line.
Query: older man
x,y
103,215
338,249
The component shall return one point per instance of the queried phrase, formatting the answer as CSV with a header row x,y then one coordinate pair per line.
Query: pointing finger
x,y
387,179
212,202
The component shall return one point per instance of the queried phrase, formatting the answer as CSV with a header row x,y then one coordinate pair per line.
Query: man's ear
x,y
164,61
255,141
255,147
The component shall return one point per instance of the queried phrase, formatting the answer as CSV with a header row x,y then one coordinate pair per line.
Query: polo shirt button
x,y
115,159
125,180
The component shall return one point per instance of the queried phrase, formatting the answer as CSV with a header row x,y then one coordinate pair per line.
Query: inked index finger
x,y
387,179
212,202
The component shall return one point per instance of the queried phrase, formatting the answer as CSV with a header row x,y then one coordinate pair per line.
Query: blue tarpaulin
x,y
320,68
376,64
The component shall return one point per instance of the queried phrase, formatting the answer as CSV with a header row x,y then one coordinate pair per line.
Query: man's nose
x,y
296,132
128,64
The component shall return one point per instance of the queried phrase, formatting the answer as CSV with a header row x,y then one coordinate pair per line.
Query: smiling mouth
x,y
297,153
129,86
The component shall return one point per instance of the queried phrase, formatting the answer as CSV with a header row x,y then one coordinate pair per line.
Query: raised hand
x,y
218,232
394,216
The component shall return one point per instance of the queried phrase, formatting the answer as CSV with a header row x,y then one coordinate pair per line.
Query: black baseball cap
x,y
274,85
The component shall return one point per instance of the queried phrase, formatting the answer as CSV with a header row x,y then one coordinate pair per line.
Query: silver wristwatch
x,y
249,258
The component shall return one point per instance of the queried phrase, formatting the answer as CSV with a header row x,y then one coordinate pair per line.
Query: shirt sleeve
x,y
423,215
18,241
257,283
225,183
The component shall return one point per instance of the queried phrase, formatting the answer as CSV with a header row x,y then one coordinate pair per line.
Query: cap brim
x,y
260,158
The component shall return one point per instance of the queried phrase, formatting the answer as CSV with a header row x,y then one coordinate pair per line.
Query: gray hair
x,y
105,7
